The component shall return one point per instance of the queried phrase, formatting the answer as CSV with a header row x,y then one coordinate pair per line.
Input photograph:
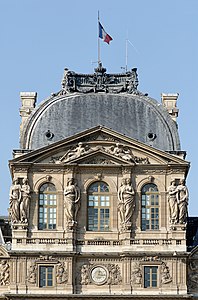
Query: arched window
x,y
98,207
47,206
150,207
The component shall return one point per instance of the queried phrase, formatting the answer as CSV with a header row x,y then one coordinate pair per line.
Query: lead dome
x,y
110,100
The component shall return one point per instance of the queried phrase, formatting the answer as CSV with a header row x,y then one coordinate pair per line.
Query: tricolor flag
x,y
103,35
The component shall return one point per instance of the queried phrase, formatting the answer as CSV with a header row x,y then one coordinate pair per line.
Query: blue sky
x,y
39,38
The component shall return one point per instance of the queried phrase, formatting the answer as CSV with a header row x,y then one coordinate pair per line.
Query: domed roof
x,y
124,110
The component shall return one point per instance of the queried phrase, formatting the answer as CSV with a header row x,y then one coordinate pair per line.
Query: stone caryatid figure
x,y
25,201
178,202
126,203
19,201
15,199
182,196
173,204
4,273
71,202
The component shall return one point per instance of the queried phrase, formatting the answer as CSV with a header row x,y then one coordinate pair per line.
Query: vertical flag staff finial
x,y
102,35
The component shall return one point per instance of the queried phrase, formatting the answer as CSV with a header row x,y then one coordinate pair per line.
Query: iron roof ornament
x,y
99,81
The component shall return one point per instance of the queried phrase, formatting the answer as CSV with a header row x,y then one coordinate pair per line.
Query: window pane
x,y
45,276
150,277
150,206
98,200
47,207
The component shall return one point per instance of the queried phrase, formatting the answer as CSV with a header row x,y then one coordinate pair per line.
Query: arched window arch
x,y
98,207
150,207
47,206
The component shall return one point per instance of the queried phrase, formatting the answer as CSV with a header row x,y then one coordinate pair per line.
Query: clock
x,y
99,275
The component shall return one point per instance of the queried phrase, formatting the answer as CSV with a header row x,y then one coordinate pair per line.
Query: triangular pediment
x,y
101,145
3,252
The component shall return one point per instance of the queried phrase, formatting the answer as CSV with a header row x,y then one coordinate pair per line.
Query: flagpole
x,y
126,51
98,40
126,55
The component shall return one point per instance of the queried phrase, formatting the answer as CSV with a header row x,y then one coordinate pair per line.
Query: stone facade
x,y
97,215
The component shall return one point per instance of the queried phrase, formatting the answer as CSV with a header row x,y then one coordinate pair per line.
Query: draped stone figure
x,y
182,196
61,274
72,202
172,200
126,203
25,200
15,199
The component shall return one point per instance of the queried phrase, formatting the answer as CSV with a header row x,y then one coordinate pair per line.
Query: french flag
x,y
103,35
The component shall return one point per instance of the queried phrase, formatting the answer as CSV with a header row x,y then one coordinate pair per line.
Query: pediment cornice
x,y
99,140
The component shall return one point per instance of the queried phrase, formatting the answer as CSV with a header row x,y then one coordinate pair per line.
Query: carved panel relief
x,y
4,272
61,273
100,274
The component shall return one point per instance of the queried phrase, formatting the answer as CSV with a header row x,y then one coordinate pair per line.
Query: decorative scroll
x,y
100,81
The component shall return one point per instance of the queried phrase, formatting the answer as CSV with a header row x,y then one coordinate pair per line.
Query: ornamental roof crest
x,y
100,81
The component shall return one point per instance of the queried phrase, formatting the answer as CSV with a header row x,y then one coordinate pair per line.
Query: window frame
x,y
151,280
150,213
101,211
47,213
47,280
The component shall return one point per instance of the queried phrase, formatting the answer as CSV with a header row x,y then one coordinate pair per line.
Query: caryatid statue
x,y
182,196
126,203
172,201
71,202
19,201
15,199
25,201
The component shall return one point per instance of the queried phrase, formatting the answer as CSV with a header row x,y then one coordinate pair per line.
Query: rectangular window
x,y
150,211
150,277
45,276
98,207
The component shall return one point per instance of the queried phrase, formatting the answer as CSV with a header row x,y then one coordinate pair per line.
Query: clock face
x,y
99,275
